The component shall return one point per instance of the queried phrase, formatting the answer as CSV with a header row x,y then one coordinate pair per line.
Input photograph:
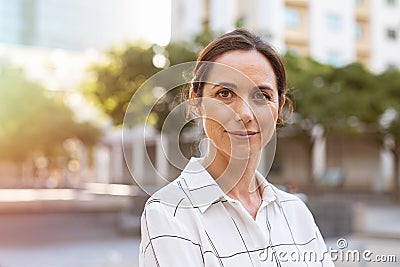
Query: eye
x,y
225,93
260,95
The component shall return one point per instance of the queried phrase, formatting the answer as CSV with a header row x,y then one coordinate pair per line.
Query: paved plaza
x,y
92,237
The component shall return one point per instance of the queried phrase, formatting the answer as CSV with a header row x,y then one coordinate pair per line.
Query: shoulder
x,y
169,212
292,204
294,213
169,199
192,192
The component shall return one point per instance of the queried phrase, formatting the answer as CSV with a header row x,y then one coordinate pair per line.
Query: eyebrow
x,y
263,87
234,86
225,84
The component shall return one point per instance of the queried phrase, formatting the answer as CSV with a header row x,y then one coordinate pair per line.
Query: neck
x,y
236,177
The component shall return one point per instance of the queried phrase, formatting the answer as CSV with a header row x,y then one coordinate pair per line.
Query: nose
x,y
243,111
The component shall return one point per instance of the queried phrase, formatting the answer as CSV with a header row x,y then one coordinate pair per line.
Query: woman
x,y
221,211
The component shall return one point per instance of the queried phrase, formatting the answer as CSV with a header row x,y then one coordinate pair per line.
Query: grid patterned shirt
x,y
192,223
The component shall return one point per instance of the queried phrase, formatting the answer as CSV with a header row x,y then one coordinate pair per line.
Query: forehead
x,y
243,66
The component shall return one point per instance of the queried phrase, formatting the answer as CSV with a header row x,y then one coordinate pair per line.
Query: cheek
x,y
209,129
215,114
213,128
212,108
267,117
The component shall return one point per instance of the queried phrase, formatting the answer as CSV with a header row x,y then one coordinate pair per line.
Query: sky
x,y
155,21
78,25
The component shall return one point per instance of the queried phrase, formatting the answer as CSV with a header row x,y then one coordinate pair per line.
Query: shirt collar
x,y
204,191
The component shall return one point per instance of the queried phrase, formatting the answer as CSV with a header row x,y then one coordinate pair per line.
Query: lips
x,y
242,134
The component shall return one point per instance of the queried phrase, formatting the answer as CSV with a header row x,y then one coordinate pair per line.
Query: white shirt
x,y
192,223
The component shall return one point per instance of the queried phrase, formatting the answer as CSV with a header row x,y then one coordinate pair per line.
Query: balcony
x,y
296,3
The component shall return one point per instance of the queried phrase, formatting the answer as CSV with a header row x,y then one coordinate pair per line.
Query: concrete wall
x,y
332,31
384,51
358,157
291,161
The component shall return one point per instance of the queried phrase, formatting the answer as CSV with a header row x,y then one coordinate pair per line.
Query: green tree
x,y
344,100
394,132
205,36
390,84
118,80
307,81
32,122
357,102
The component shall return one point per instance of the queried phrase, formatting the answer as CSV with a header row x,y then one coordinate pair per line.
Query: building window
x,y
293,50
333,58
267,35
391,2
391,66
391,34
292,18
358,32
333,21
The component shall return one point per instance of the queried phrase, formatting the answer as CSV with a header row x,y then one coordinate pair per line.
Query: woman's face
x,y
240,104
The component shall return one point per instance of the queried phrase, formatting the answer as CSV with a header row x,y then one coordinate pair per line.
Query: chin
x,y
240,154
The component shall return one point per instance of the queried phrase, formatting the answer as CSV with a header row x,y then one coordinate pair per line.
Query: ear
x,y
192,94
194,104
282,103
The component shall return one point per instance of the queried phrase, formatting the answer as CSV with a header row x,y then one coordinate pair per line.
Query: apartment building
x,y
335,32
384,34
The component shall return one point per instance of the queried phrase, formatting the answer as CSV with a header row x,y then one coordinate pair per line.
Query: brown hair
x,y
239,39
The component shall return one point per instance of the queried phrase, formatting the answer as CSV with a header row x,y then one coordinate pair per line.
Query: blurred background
x,y
68,70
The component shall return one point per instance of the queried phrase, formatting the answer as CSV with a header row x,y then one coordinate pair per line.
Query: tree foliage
x,y
345,100
390,81
307,81
118,80
33,122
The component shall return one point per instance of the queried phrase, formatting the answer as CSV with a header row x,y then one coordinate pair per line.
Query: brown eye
x,y
224,93
261,96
